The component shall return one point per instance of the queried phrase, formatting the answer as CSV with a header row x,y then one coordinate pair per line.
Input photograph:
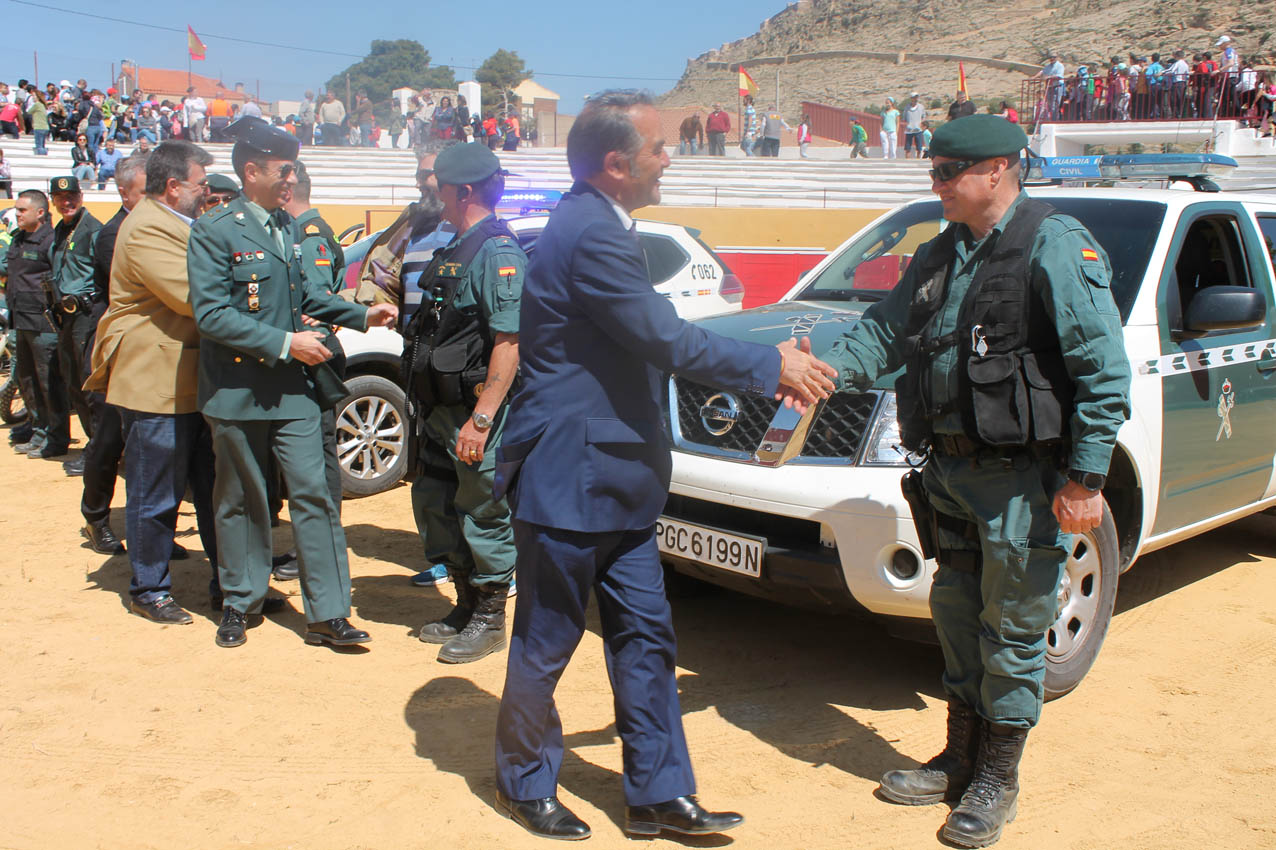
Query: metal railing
x,y
1116,96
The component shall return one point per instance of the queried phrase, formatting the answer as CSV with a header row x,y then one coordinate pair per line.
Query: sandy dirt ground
x,y
118,733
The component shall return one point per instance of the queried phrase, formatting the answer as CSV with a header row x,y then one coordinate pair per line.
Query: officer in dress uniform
x,y
1015,383
461,356
79,301
260,386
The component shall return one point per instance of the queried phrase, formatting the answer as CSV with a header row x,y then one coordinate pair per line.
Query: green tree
x,y
498,75
391,65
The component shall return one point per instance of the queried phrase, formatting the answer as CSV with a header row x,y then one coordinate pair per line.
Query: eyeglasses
x,y
945,171
282,174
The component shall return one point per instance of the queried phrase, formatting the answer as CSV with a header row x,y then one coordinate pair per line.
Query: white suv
x,y
1193,278
370,435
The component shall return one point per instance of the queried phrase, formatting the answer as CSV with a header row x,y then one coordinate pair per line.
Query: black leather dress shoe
x,y
269,605
21,434
74,467
232,630
336,632
163,610
285,567
46,451
102,539
180,553
683,815
546,817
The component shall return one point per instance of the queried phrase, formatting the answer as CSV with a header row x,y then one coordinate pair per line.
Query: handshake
x,y
804,378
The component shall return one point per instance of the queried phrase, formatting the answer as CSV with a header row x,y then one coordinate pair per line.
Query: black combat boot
x,y
442,631
992,799
945,776
484,633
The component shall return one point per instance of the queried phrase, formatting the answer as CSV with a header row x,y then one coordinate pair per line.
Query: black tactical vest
x,y
447,348
1014,389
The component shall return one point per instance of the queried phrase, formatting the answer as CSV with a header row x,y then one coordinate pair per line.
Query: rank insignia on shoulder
x,y
1089,254
507,271
312,229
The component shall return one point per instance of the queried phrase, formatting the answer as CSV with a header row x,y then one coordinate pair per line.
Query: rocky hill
x,y
1000,41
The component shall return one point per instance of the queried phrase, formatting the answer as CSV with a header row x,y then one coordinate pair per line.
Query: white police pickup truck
x,y
1193,277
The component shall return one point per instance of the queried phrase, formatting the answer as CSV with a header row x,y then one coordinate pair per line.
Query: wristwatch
x,y
1092,481
481,421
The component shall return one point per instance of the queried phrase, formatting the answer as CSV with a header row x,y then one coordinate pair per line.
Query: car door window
x,y
1211,254
1267,224
665,257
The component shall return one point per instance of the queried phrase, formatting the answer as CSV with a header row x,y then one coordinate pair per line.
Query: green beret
x,y
978,137
221,183
465,163
64,184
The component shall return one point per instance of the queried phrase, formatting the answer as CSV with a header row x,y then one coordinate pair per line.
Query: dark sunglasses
x,y
945,171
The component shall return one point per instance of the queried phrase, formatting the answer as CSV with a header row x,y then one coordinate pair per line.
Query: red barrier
x,y
1116,96
833,122
767,276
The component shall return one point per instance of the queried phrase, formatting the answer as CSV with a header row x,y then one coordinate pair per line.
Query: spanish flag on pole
x,y
194,45
747,86
961,78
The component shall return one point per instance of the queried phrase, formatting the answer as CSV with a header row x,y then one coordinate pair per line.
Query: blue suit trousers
x,y
556,569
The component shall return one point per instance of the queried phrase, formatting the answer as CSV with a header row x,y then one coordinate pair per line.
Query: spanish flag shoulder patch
x,y
323,262
1089,254
507,271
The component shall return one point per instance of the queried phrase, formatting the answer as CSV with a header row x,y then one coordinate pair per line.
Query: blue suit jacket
x,y
585,448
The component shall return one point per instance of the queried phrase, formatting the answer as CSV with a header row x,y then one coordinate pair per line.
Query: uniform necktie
x,y
275,227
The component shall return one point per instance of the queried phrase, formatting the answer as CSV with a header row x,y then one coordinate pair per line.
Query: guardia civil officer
x,y
1016,381
322,263
29,296
221,189
79,301
260,381
460,358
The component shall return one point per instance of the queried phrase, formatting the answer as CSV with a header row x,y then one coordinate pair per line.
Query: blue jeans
x,y
102,176
40,136
163,452
94,132
149,134
365,135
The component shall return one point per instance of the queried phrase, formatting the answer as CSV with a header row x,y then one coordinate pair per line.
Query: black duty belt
x,y
959,445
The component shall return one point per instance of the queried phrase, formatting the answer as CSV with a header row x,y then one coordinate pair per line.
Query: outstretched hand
x,y
382,315
804,378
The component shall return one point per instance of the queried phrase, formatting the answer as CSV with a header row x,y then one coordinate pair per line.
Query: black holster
x,y
924,517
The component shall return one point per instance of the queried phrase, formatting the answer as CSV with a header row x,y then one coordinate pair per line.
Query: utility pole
x,y
36,78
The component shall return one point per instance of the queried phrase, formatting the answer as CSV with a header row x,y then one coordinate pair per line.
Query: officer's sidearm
x,y
211,289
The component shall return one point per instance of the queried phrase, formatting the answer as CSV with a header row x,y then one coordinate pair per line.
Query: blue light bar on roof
x,y
528,201
1158,166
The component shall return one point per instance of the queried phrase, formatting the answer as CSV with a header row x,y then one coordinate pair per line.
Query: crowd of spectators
x,y
1217,83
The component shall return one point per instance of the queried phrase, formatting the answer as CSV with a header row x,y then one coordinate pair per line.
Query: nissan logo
x,y
719,413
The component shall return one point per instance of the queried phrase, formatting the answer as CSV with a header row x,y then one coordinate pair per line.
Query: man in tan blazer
x,y
146,360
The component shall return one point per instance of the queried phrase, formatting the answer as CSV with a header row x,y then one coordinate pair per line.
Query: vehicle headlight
x,y
884,447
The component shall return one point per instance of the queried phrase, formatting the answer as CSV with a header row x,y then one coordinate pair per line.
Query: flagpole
x,y
739,105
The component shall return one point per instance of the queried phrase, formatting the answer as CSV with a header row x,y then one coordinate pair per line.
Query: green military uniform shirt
x,y
71,254
322,260
248,292
493,281
1075,291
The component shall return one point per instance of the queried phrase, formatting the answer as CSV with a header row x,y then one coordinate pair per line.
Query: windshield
x,y
874,263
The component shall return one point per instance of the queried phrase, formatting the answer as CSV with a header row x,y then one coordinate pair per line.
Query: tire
x,y
12,410
1087,595
371,436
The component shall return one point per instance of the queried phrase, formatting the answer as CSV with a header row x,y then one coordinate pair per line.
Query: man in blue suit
x,y
585,463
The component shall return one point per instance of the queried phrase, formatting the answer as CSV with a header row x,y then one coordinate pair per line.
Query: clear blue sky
x,y
590,39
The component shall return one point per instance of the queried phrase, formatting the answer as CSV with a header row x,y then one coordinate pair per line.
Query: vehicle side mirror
x,y
1224,308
